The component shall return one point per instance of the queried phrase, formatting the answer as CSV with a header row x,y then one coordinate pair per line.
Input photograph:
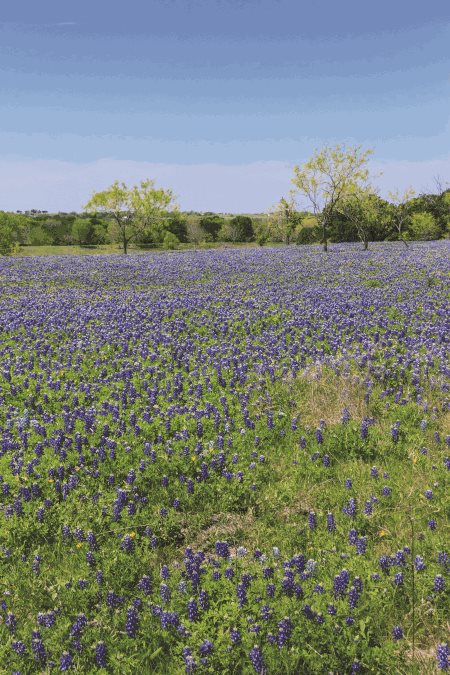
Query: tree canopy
x,y
134,210
328,178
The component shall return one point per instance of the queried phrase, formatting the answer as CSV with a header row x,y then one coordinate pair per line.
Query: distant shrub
x,y
307,235
424,226
170,241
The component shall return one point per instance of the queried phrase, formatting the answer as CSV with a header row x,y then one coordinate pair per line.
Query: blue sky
x,y
217,99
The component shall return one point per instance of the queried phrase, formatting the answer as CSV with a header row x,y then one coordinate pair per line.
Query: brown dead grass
x,y
222,526
424,659
323,394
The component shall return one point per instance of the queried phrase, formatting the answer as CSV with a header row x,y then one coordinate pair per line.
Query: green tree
x,y
170,241
238,228
401,210
82,231
212,223
38,236
195,232
424,226
11,231
241,228
134,211
262,231
364,210
176,223
328,177
284,219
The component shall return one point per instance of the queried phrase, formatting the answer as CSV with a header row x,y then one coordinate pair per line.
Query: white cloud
x,y
55,185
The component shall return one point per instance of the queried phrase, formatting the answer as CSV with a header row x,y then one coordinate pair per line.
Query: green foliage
x,y
82,230
237,229
170,241
307,235
423,226
328,178
284,220
176,223
366,214
211,224
134,211
11,232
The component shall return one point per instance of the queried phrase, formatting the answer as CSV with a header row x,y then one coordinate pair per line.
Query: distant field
x,y
225,461
112,248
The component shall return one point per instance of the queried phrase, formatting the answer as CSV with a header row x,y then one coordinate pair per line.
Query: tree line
x,y
332,200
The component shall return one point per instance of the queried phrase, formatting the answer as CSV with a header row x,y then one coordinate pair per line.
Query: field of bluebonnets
x,y
225,461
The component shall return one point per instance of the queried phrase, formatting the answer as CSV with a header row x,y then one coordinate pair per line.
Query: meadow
x,y
226,461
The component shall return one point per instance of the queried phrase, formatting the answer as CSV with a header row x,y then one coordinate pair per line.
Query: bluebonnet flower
x,y
340,583
439,583
331,524
145,585
364,430
19,647
384,562
65,661
312,520
257,660
235,636
397,633
352,536
101,654
241,594
284,631
419,563
78,625
398,579
222,549
443,656
11,622
270,590
189,660
206,648
203,600
353,597
127,544
192,610
361,545
395,432
350,508
132,622
164,592
229,573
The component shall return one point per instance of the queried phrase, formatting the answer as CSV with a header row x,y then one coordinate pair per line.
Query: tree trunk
x,y
125,245
366,244
324,237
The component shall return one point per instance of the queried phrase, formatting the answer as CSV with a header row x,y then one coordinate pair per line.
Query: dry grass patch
x,y
222,526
